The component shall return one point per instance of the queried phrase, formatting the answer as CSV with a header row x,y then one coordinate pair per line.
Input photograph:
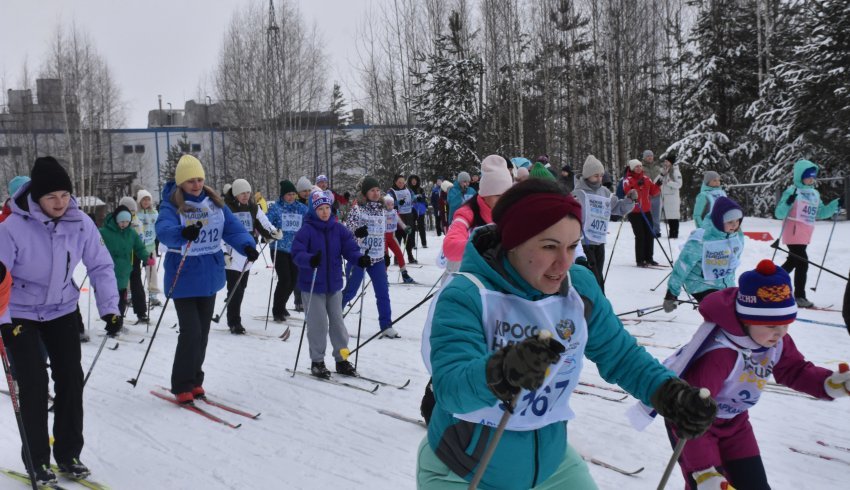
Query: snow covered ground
x,y
313,435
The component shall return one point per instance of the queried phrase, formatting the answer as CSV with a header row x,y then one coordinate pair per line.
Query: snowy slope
x,y
313,435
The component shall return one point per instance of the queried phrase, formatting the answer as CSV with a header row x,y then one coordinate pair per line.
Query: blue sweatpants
x,y
378,273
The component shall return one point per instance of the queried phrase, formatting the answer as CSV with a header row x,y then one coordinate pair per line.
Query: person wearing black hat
x,y
567,181
44,240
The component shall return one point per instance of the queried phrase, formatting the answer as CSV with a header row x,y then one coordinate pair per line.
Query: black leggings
x,y
137,289
800,268
287,277
644,236
61,339
194,316
234,308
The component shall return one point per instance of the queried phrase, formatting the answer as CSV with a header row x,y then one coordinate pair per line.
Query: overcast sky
x,y
158,46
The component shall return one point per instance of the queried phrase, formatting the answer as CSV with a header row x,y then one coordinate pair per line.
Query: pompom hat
x,y
765,296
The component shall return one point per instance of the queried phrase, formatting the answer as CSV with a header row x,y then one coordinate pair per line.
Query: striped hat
x,y
765,296
321,198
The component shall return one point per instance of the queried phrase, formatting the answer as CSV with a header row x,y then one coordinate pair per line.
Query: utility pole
x,y
274,87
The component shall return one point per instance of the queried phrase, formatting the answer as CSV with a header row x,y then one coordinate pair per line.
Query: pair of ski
x,y
25,479
823,456
377,383
165,394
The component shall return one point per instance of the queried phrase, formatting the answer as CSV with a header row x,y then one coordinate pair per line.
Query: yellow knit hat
x,y
188,167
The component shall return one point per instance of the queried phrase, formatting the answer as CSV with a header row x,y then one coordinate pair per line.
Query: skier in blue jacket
x,y
482,346
193,220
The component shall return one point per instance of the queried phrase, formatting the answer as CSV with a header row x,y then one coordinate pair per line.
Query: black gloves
x,y
191,232
670,302
314,260
521,365
362,232
791,199
251,253
113,324
681,404
364,261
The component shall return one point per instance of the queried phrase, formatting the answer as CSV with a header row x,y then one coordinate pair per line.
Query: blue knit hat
x,y
321,198
764,296
810,172
725,210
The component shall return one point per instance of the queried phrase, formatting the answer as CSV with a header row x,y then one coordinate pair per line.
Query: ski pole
x,y
233,291
271,281
503,423
359,323
135,380
817,322
650,309
662,281
820,271
16,406
94,361
677,451
351,305
819,266
611,258
304,325
345,353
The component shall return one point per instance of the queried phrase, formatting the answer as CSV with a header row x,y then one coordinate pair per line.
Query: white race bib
x,y
598,215
392,221
290,222
805,207
244,217
374,241
720,258
212,219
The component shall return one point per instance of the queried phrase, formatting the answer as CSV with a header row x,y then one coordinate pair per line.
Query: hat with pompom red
x,y
765,296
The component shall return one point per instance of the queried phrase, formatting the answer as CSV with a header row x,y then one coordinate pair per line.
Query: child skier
x,y
287,214
193,220
395,223
123,243
147,215
742,342
709,192
318,250
801,205
597,206
404,202
252,217
137,295
368,223
710,256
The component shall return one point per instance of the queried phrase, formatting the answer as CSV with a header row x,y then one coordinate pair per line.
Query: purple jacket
x,y
42,253
334,241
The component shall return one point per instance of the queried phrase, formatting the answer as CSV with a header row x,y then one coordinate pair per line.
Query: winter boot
x,y
804,303
185,398
74,468
278,318
286,314
345,368
155,301
237,329
84,337
143,318
44,476
198,392
299,308
406,278
389,333
319,370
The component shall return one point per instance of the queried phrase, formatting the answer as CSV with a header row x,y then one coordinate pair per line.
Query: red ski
x,y
194,408
238,411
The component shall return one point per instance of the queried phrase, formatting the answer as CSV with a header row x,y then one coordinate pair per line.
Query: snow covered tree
x,y
177,150
445,107
804,111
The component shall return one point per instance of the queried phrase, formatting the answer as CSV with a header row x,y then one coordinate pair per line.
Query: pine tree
x,y
445,107
177,150
714,124
804,111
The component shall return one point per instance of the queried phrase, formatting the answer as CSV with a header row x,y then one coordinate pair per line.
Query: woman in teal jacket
x,y
710,256
483,349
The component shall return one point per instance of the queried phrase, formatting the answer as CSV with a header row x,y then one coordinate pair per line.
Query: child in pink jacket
x,y
741,344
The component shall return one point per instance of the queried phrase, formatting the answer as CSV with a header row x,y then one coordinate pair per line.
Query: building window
x,y
128,149
17,151
139,148
4,151
196,147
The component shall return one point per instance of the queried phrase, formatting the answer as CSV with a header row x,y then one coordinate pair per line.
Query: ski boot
x,y
75,468
389,333
45,477
345,368
405,277
155,301
804,303
198,392
319,370
237,329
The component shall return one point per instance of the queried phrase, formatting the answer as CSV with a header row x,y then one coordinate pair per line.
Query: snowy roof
x,y
90,201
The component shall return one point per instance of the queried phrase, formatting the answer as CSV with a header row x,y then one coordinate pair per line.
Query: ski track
x,y
315,435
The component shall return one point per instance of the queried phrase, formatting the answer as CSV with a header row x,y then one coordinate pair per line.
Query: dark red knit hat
x,y
533,214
